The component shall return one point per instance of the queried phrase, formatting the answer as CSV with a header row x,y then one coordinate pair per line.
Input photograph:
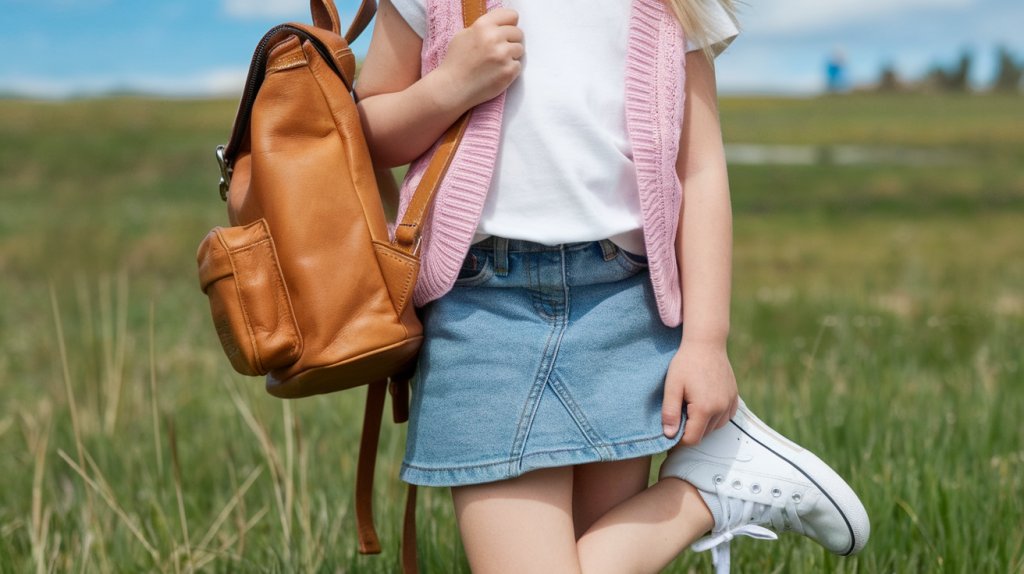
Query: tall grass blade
x,y
119,340
108,334
289,462
112,503
40,519
273,461
75,424
231,539
57,539
924,534
88,341
86,546
239,493
152,391
239,508
173,438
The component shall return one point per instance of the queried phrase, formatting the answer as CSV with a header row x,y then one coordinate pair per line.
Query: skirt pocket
x,y
240,273
631,261
477,269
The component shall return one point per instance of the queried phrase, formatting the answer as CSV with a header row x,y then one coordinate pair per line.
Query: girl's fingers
x,y
696,425
721,422
515,51
672,409
722,419
513,34
714,424
500,16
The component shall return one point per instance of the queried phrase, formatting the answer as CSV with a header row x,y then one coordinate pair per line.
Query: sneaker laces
x,y
743,518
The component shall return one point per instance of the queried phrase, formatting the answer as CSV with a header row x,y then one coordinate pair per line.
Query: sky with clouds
x,y
59,48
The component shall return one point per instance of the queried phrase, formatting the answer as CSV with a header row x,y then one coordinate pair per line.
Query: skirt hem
x,y
511,468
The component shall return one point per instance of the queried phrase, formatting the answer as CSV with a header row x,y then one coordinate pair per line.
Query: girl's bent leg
x,y
645,533
601,486
521,525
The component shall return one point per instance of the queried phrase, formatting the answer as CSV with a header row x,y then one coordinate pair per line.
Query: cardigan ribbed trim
x,y
654,88
452,220
655,79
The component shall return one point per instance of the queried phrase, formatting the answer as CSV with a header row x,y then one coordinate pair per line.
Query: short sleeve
x,y
415,14
721,30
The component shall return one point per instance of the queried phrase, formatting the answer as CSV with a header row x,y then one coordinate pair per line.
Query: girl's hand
x,y
482,60
700,376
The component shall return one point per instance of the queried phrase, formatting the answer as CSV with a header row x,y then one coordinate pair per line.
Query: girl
x,y
555,266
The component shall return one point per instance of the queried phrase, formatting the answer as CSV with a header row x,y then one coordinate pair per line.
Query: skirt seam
x,y
530,408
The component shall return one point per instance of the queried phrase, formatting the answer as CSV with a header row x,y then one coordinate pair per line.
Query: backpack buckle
x,y
225,173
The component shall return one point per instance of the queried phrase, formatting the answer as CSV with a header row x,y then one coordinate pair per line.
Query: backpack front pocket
x,y
240,273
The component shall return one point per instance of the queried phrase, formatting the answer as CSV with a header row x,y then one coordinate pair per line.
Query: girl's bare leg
x,y
601,486
521,525
647,531
526,524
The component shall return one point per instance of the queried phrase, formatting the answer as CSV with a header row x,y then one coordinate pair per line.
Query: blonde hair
x,y
694,15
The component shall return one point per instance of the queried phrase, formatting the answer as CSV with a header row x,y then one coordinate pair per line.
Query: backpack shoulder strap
x,y
408,231
407,237
325,15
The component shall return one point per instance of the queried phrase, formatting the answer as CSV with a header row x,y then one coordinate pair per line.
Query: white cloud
x,y
805,15
64,4
212,83
266,8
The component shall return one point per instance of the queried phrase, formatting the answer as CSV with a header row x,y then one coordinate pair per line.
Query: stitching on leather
x,y
287,64
209,256
241,304
404,291
283,67
408,279
248,246
301,57
282,290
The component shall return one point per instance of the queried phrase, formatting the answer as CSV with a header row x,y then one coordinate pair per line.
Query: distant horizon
x,y
199,48
765,94
231,85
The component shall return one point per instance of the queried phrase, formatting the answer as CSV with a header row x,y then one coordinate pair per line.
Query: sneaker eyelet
x,y
797,498
776,492
737,484
755,488
719,479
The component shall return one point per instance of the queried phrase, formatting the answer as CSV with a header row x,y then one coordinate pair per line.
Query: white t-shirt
x,y
564,171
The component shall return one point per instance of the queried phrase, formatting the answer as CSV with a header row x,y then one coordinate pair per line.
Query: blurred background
x,y
876,161
202,47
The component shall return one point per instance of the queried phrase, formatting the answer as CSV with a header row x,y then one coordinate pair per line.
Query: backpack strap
x,y
410,560
375,393
409,231
407,237
325,15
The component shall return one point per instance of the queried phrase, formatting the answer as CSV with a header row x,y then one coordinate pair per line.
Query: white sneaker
x,y
751,475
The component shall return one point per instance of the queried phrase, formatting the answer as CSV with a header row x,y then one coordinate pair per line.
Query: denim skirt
x,y
539,356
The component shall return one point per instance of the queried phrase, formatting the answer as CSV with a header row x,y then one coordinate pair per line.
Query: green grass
x,y
878,319
983,134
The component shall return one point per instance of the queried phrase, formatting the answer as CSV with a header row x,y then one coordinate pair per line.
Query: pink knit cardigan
x,y
655,59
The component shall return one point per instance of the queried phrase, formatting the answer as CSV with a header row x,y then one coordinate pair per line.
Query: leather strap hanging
x,y
407,238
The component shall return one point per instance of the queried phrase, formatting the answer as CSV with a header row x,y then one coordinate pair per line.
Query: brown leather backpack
x,y
306,286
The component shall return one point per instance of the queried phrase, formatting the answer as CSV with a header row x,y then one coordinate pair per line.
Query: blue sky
x,y
59,48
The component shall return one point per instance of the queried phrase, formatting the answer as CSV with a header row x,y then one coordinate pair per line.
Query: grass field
x,y
878,319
